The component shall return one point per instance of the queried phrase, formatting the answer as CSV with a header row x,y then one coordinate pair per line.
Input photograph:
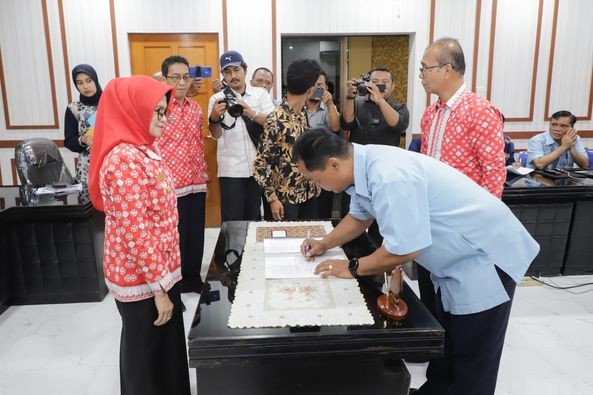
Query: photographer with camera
x,y
369,114
236,115
373,118
322,113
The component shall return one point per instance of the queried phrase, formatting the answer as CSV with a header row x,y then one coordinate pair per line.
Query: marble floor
x,y
72,349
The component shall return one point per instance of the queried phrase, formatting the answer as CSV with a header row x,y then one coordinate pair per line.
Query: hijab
x,y
90,71
124,115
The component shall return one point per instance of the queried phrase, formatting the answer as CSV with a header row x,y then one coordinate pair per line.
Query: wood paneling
x,y
114,37
476,43
65,49
15,176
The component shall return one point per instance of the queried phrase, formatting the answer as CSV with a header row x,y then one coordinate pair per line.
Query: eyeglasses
x,y
160,113
559,126
424,68
177,77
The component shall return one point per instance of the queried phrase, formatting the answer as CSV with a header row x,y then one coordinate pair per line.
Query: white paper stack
x,y
283,258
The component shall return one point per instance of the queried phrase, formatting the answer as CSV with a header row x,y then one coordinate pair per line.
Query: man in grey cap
x,y
240,195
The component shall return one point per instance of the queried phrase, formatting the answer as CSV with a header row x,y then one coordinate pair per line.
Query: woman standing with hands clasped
x,y
129,182
79,120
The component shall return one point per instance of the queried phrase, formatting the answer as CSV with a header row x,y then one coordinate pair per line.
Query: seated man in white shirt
x,y
560,147
240,195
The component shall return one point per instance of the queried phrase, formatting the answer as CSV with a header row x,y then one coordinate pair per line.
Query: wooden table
x,y
311,360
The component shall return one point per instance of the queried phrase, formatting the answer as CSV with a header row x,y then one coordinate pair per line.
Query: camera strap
x,y
254,130
227,127
368,113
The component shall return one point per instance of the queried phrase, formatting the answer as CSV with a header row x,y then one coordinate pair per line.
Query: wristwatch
x,y
353,266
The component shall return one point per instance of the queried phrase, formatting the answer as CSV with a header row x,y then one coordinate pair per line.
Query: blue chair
x,y
523,158
590,155
415,144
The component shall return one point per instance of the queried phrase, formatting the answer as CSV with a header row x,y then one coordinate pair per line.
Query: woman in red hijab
x,y
129,182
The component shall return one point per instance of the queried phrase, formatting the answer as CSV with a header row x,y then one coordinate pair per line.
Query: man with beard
x,y
240,195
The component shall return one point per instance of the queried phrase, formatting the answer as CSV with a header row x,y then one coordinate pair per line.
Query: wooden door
x,y
148,51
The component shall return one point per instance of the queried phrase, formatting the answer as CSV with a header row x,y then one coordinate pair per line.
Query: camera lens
x,y
235,109
362,88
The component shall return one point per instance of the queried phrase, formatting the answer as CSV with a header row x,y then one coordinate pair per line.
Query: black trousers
x,y
305,210
325,204
152,359
426,288
192,220
240,199
473,347
267,209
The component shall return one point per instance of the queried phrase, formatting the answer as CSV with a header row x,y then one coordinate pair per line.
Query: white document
x,y
289,266
519,170
290,245
278,233
283,258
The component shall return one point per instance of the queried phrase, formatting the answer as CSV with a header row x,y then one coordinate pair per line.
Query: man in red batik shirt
x,y
463,130
182,148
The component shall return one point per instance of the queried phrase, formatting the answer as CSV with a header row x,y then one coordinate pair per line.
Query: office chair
x,y
40,163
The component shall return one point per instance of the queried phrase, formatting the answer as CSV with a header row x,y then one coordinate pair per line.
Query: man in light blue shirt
x,y
473,245
561,147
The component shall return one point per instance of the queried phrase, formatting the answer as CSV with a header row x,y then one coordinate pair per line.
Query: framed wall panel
x,y
89,43
514,54
570,71
27,66
458,19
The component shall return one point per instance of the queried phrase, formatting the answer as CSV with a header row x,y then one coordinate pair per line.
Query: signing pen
x,y
308,242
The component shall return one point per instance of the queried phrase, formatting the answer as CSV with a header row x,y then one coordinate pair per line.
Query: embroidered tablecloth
x,y
261,302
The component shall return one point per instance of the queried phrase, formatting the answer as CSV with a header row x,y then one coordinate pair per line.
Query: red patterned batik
x,y
182,147
466,133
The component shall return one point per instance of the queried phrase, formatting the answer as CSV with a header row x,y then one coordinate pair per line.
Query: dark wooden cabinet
x,y
51,253
558,214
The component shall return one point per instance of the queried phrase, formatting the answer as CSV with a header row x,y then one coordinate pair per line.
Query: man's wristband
x,y
350,97
211,122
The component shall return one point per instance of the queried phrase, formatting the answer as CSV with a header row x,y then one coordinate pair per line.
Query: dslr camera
x,y
361,87
233,107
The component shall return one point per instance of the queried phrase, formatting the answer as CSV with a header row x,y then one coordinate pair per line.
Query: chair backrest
x,y
590,155
523,158
39,163
415,144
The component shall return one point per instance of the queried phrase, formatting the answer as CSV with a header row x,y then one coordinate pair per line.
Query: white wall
x,y
504,72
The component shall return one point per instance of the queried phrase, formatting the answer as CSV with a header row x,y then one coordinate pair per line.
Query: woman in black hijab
x,y
79,120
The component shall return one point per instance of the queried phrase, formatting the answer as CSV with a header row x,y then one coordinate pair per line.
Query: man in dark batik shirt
x,y
291,196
